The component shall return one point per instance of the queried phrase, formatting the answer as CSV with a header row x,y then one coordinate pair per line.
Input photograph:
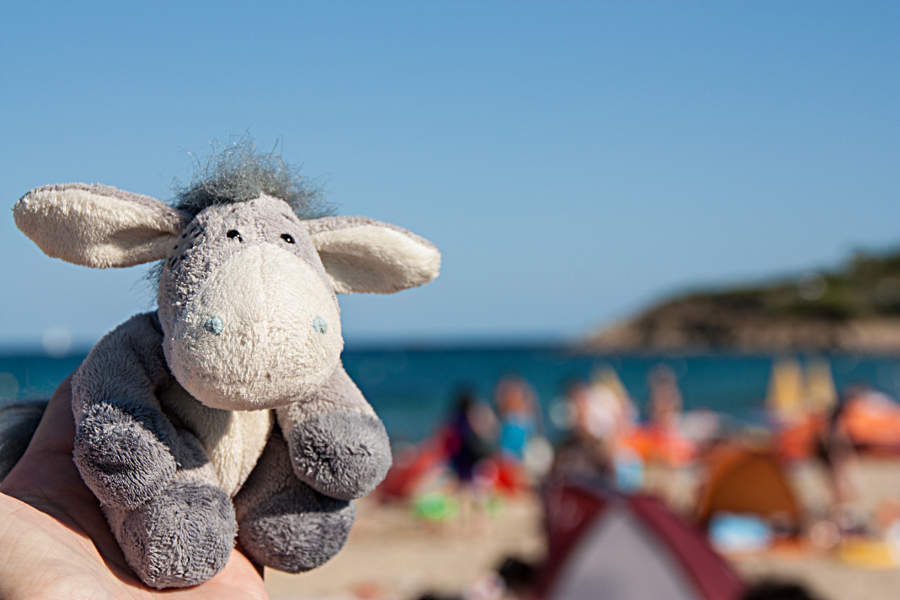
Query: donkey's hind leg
x,y
184,535
282,522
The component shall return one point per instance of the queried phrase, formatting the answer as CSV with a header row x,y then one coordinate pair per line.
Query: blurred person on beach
x,y
667,446
665,398
56,542
518,421
614,416
611,414
602,421
522,440
612,395
671,445
833,448
470,435
585,452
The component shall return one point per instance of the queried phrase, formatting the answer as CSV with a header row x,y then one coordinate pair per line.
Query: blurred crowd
x,y
744,494
505,443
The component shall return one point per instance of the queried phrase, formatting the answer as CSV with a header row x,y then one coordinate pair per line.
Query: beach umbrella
x,y
821,394
785,398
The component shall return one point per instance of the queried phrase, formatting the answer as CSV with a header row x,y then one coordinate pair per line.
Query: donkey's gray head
x,y
247,290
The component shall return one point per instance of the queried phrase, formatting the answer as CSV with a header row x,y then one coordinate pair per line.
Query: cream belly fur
x,y
233,439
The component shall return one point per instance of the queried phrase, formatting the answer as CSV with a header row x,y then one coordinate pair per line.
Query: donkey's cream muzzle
x,y
263,331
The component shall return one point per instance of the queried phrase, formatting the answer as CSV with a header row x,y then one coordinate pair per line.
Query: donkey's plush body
x,y
226,412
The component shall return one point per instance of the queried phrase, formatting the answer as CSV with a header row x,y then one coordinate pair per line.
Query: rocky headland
x,y
855,308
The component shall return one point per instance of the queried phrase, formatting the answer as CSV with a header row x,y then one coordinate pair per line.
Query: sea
x,y
412,388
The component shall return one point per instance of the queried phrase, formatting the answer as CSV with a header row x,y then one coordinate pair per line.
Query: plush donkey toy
x,y
227,411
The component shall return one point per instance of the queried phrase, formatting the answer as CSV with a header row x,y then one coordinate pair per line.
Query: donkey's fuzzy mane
x,y
238,173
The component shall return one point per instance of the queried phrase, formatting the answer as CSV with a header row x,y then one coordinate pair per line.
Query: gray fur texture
x,y
359,453
341,454
181,537
238,173
125,446
284,523
297,529
123,451
17,424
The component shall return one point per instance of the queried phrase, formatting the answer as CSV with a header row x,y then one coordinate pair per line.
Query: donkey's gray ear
x,y
97,225
365,255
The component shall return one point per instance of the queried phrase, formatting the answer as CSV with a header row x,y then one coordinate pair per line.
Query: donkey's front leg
x,y
284,523
124,451
184,534
124,444
337,444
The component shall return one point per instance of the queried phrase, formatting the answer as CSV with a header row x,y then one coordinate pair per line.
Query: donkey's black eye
x,y
234,233
288,238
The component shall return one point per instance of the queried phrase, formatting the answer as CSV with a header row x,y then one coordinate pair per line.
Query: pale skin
x,y
55,542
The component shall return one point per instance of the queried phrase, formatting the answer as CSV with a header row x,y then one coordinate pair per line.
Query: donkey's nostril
x,y
320,325
214,325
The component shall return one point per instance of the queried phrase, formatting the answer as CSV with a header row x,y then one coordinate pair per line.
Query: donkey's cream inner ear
x,y
97,225
364,255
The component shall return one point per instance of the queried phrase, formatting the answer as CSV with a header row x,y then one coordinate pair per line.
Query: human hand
x,y
55,542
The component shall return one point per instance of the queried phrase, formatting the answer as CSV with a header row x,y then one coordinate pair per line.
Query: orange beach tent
x,y
747,481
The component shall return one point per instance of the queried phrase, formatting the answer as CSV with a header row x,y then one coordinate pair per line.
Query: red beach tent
x,y
602,544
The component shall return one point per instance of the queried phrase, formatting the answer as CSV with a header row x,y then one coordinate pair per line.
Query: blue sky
x,y
573,161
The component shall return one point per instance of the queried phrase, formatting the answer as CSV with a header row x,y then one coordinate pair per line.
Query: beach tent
x,y
616,547
872,422
747,481
666,445
411,467
414,467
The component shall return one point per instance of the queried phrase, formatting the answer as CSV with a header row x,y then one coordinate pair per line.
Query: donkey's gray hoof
x,y
341,454
297,529
121,456
182,537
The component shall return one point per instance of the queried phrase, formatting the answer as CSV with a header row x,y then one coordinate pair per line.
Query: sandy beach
x,y
393,554
877,481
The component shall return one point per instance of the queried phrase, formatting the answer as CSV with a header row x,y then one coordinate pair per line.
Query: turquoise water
x,y
411,388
